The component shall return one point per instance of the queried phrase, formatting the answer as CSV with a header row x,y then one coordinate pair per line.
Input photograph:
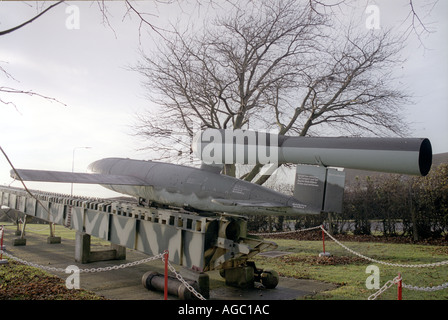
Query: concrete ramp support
x,y
84,254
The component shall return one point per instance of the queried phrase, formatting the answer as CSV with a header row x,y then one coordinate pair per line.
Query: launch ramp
x,y
193,241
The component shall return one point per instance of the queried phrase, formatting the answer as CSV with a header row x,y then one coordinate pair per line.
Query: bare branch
x,y
144,20
9,90
417,26
4,32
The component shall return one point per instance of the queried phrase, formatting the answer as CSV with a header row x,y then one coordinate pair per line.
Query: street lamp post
x,y
73,164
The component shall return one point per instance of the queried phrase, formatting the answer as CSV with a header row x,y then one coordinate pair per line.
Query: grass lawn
x,y
343,268
349,271
20,282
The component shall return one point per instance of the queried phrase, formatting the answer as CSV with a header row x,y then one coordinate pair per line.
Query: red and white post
x,y
323,254
2,247
165,291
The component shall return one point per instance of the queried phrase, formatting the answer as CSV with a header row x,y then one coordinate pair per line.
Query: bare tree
x,y
282,65
415,20
220,78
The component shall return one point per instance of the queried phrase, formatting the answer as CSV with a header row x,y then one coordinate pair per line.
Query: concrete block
x,y
53,240
120,251
19,242
102,255
82,247
241,277
83,253
201,278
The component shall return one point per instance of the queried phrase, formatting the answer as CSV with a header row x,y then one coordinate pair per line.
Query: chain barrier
x,y
90,270
436,264
287,232
386,286
397,279
161,256
184,282
117,267
427,289
389,283
427,265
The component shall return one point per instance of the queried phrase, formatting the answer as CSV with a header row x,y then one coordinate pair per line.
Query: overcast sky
x,y
87,70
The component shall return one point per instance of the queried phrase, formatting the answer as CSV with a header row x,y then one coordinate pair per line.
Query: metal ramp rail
x,y
196,242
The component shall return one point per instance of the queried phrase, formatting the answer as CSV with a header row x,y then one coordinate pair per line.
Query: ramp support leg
x,y
22,240
52,238
83,253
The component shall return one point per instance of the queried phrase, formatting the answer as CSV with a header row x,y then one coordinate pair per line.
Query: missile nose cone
x,y
91,167
103,166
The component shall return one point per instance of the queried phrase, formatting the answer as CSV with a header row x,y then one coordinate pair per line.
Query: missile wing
x,y
75,177
202,189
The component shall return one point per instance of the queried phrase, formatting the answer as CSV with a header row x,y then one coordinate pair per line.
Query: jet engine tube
x,y
395,155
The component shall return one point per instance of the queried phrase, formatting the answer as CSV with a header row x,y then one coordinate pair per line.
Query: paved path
x,y
125,284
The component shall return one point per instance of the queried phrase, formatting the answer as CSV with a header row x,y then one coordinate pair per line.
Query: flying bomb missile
x,y
206,190
197,189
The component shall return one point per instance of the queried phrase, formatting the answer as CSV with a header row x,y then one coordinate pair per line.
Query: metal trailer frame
x,y
196,242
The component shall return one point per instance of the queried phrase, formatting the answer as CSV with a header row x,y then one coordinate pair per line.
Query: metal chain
x,y
184,282
386,286
286,232
54,269
91,270
436,264
397,279
199,296
427,289
121,266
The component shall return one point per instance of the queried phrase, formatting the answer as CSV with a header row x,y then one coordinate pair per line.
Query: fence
x,y
164,257
396,281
